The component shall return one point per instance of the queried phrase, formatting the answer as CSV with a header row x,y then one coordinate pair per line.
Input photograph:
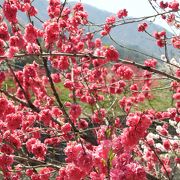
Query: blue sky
x,y
136,8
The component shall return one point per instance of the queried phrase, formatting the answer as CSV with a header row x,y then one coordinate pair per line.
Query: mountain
x,y
126,35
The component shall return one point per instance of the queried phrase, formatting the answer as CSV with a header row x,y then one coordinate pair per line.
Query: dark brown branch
x,y
14,98
31,105
35,161
81,55
62,8
100,57
149,69
139,52
61,106
151,177
132,20
89,136
160,161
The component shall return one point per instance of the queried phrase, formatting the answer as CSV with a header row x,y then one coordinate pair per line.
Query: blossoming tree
x,y
103,129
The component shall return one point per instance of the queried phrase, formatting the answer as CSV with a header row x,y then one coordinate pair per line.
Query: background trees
x,y
77,109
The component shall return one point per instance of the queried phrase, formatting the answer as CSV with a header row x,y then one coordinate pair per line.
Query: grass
x,y
9,84
161,100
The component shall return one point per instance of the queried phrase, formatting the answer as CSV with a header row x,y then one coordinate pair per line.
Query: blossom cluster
x,y
77,110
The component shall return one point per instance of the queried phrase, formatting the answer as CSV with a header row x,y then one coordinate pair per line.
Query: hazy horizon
x,y
138,8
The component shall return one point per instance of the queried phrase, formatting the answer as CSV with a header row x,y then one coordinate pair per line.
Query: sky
x,y
136,8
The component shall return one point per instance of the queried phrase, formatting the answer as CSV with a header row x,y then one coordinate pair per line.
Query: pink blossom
x,y
14,121
10,11
150,63
98,43
122,13
125,72
96,176
178,73
30,33
66,128
6,161
110,20
11,52
82,124
111,54
176,42
84,161
2,51
72,150
51,33
74,172
174,5
39,150
4,34
103,149
75,111
99,116
32,48
54,8
5,148
2,77
142,27
166,144
32,11
17,41
176,96
163,4
160,43
63,63
45,116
